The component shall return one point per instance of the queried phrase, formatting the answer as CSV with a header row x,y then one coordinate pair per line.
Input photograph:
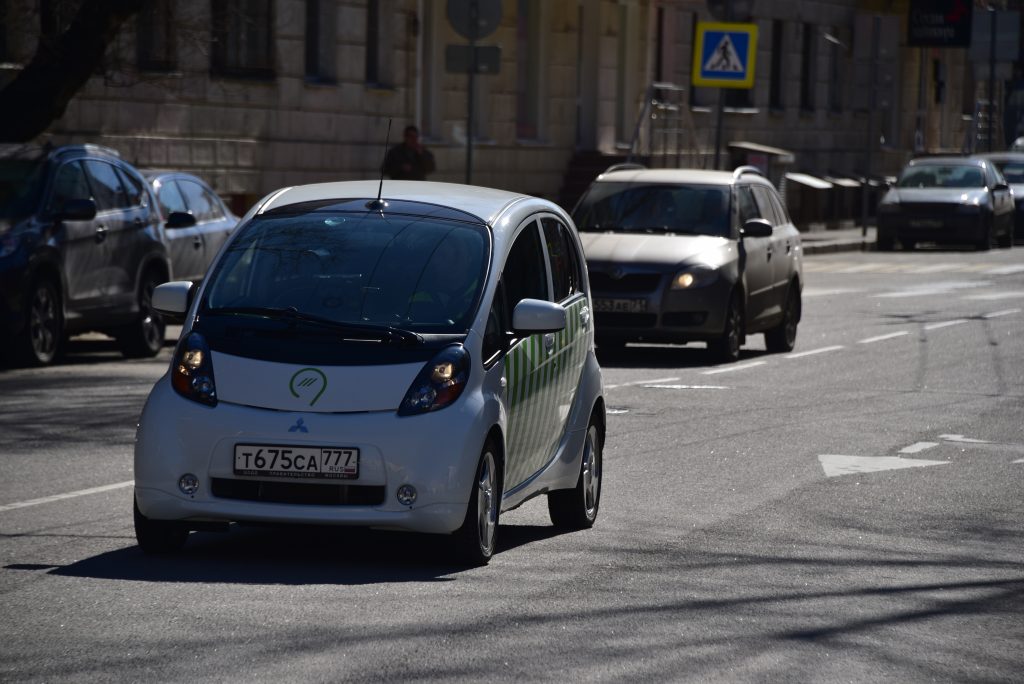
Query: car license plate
x,y
926,223
621,305
334,463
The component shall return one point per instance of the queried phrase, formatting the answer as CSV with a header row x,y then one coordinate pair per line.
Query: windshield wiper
x,y
385,333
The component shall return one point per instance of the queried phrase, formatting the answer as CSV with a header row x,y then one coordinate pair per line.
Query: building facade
x,y
258,94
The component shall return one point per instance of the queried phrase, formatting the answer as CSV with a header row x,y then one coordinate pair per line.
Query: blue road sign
x,y
723,55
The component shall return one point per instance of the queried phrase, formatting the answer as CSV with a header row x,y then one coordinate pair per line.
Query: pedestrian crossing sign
x,y
723,55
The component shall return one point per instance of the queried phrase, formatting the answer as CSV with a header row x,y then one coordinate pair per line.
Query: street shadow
x,y
666,357
296,555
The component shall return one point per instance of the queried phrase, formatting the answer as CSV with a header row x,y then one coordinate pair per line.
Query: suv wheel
x,y
145,337
727,347
42,339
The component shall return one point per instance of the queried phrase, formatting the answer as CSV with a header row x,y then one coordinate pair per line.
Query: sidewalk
x,y
845,240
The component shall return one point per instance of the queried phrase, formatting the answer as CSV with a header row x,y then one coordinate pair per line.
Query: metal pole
x,y
474,23
876,26
991,73
727,13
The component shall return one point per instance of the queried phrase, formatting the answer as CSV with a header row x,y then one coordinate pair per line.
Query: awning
x,y
843,182
809,181
782,156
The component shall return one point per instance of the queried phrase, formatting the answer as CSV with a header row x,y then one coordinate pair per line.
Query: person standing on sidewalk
x,y
409,160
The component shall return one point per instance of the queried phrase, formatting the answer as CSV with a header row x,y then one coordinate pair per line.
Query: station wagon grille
x,y
632,282
297,493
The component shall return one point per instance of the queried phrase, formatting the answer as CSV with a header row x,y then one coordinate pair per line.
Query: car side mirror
x,y
173,299
78,210
180,219
756,227
1001,186
537,316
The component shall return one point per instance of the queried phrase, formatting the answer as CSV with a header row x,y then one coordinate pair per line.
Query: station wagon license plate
x,y
621,305
274,460
926,223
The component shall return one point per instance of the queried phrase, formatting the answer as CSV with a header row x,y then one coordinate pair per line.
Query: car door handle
x,y
549,343
197,243
138,222
101,233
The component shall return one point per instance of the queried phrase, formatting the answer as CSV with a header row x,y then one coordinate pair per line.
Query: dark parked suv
x,y
81,248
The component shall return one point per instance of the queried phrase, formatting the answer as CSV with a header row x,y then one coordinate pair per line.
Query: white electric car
x,y
422,362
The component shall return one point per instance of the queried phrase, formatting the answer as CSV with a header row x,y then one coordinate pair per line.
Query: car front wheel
x,y
727,347
782,338
144,337
158,536
476,540
42,338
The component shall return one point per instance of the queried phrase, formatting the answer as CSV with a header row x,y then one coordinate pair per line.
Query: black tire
x,y
985,242
41,341
145,337
727,347
782,338
884,243
158,536
476,540
576,509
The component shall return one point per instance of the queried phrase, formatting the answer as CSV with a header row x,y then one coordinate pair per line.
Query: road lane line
x,y
730,369
67,495
687,387
998,314
945,324
872,340
918,447
821,350
1006,270
639,382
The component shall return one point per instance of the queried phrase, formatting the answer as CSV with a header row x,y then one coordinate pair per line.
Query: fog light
x,y
406,495
188,484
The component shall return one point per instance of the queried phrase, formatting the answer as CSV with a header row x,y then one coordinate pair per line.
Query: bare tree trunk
x,y
62,64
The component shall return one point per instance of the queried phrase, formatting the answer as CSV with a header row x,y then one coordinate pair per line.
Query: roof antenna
x,y
379,204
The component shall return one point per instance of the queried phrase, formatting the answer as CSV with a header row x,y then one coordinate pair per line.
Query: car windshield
x,y
364,269
1013,171
655,208
942,176
21,185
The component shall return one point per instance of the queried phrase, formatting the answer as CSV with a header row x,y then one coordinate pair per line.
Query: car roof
x,y
1004,155
487,204
157,174
700,176
948,161
36,151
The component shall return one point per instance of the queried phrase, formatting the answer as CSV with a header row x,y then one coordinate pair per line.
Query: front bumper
x,y
178,436
934,226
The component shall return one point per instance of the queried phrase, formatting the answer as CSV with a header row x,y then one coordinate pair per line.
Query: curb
x,y
833,246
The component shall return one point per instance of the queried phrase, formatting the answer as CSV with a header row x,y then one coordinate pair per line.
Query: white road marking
x,y
822,292
835,465
945,324
1006,270
67,495
616,412
686,387
935,289
963,440
820,350
860,268
918,447
1019,460
995,296
872,340
1000,314
638,382
932,268
730,369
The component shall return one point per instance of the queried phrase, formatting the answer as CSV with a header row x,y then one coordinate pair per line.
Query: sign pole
x,y
474,20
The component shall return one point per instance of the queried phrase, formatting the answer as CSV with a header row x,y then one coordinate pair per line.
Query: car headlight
x,y
192,371
439,384
694,277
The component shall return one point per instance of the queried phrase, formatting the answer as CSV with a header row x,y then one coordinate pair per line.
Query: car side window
x,y
780,208
747,206
170,199
68,184
524,273
564,270
106,185
202,204
764,203
133,188
497,325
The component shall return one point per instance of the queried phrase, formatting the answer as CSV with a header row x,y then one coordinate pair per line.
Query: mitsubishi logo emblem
x,y
300,426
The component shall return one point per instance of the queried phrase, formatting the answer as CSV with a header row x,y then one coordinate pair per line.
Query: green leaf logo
x,y
308,382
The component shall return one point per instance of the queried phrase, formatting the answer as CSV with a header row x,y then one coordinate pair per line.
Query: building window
x,y
378,44
835,92
528,95
807,69
320,40
243,38
155,36
776,99
4,23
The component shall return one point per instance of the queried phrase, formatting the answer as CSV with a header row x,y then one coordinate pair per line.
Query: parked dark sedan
x,y
947,200
1011,165
81,248
196,221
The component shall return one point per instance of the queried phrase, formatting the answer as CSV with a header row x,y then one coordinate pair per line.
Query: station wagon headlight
x,y
694,277
439,384
192,371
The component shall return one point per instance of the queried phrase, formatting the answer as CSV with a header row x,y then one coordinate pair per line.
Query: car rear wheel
x,y
41,340
782,338
576,509
158,536
727,347
475,541
144,337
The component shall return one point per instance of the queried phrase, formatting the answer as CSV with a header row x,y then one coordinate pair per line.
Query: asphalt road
x,y
852,511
